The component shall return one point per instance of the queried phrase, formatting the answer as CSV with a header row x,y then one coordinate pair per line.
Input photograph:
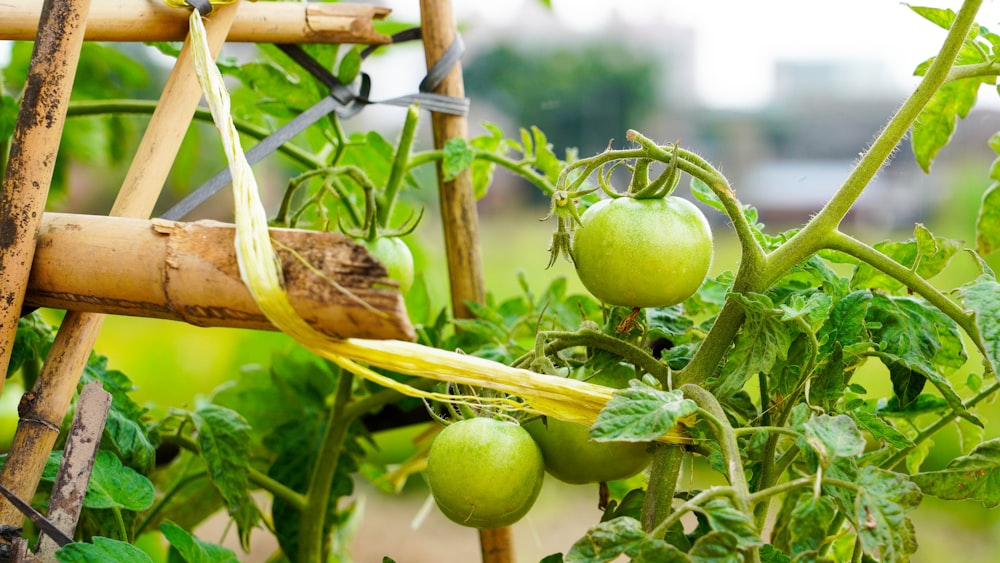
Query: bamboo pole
x,y
33,151
458,203
256,22
188,272
458,213
77,464
44,407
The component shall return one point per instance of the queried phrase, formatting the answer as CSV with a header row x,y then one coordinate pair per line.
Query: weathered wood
x,y
77,465
256,22
33,153
188,272
43,408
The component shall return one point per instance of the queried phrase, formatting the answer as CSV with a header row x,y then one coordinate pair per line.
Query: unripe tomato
x,y
572,457
642,252
393,253
484,473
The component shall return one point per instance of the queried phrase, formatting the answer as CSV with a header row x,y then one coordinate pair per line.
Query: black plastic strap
x,y
204,7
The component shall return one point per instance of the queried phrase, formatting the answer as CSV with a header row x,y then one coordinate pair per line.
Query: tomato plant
x,y
642,252
484,473
756,372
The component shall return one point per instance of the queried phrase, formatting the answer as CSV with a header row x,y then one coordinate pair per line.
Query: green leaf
x,y
988,220
8,116
640,413
880,429
111,485
809,522
224,441
622,536
101,550
982,297
880,510
723,517
975,476
763,340
833,437
192,549
458,156
926,253
915,336
941,17
349,66
125,431
768,554
482,169
716,547
704,194
935,125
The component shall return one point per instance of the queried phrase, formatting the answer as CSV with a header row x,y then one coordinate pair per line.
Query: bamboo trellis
x,y
59,28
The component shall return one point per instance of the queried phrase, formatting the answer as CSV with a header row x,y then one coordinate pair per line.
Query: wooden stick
x,y
77,464
458,213
458,202
256,22
188,272
45,406
33,154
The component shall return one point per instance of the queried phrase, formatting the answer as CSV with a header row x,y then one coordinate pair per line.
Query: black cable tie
x,y
204,7
440,69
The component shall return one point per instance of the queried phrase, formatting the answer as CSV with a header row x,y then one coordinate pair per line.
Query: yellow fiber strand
x,y
562,398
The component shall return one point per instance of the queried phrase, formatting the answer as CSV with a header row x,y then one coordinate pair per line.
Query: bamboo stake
x,y
45,406
458,203
256,22
33,153
458,214
77,464
188,272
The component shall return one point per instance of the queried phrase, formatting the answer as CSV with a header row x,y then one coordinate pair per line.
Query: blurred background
x,y
782,96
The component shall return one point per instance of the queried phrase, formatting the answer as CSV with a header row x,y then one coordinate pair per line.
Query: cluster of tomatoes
x,y
487,473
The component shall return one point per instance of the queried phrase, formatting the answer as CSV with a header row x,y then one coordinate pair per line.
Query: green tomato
x,y
642,252
393,253
572,457
484,473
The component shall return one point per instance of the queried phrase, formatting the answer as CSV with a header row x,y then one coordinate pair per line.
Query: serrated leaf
x,y
935,125
458,156
482,169
925,252
608,540
224,440
880,509
809,522
988,221
941,17
194,550
101,550
915,336
716,547
975,476
880,429
764,339
768,554
723,517
111,485
982,297
834,437
640,413
125,433
704,194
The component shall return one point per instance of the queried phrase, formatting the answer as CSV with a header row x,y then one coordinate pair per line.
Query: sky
x,y
738,41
